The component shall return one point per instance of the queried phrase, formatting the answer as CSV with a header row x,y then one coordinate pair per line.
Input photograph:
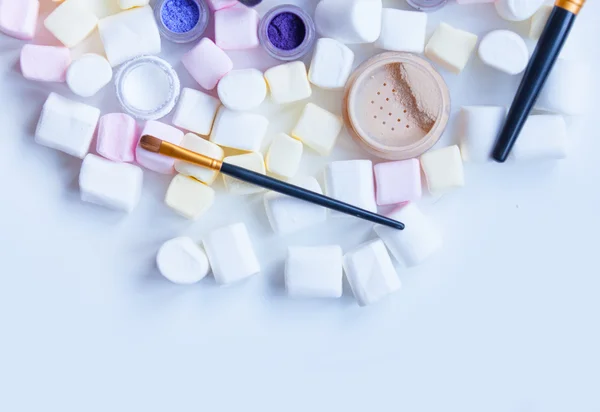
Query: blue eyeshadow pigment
x,y
180,16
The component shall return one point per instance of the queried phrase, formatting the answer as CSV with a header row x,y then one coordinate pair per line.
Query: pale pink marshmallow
x,y
117,137
236,28
398,182
221,4
474,1
18,18
154,161
207,63
45,63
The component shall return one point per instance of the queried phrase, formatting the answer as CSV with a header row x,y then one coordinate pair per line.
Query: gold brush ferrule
x,y
574,6
178,152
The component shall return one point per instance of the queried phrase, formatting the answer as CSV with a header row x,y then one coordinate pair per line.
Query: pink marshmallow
x,y
207,63
18,18
117,137
221,4
236,28
154,161
398,182
474,1
45,63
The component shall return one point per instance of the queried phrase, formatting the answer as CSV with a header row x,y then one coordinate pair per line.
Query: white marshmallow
x,y
314,272
199,145
129,34
182,261
451,48
287,214
331,65
567,89
417,242
129,4
196,111
349,21
238,130
480,127
100,8
288,83
370,272
544,137
504,50
284,155
351,181
402,30
110,184
443,169
251,161
242,89
318,129
517,10
71,22
67,125
230,254
539,20
88,74
189,197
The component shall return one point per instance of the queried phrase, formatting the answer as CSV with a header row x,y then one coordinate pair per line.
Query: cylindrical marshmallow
x,y
544,137
182,261
88,74
567,89
480,127
504,50
518,10
241,90
349,21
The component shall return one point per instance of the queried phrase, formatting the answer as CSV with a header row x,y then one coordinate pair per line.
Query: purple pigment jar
x,y
181,21
287,32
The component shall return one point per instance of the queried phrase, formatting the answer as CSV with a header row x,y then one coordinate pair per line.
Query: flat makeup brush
x,y
548,48
155,145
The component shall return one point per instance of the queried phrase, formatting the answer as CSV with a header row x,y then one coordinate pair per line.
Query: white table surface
x,y
505,318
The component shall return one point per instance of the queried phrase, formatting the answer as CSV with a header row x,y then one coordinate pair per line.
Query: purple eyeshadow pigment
x,y
180,16
286,31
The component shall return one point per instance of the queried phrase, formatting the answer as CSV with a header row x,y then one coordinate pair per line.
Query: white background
x,y
505,318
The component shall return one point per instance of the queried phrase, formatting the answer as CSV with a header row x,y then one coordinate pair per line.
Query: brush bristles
x,y
150,143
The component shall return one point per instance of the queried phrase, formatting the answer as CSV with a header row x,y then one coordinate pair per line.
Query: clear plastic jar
x,y
187,36
297,52
427,5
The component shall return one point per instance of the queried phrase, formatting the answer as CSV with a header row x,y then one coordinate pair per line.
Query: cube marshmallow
x,y
417,242
242,90
318,129
18,18
504,50
100,8
71,22
236,28
88,74
154,161
331,65
189,197
239,130
479,130
45,63
351,181
543,137
182,261
567,89
288,82
199,145
230,254
517,10
284,155
370,272
196,111
207,63
402,30
539,20
451,48
398,182
251,161
314,272
117,137
221,4
67,125
110,184
130,4
349,21
443,169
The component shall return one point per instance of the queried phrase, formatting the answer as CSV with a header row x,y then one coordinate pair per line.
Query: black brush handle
x,y
549,46
306,195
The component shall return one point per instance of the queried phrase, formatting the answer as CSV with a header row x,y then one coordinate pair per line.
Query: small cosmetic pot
x,y
287,32
180,30
427,5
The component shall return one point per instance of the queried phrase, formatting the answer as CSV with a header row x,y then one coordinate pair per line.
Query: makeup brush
x,y
155,145
548,48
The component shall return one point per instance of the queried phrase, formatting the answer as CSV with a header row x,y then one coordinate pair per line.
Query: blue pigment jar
x,y
181,21
427,5
287,32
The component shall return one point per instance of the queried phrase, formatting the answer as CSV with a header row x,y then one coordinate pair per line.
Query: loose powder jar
x,y
396,105
427,5
181,21
287,32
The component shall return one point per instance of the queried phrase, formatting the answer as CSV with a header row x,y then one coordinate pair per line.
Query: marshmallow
x,y
154,161
130,4
238,130
250,161
88,74
443,169
517,10
287,214
467,2
504,50
242,89
45,63
331,65
100,8
66,125
288,83
480,127
110,184
207,63
182,261
284,155
543,137
349,21
129,34
567,89
202,146
451,48
398,182
117,137
221,4
539,20
230,254
417,242
403,30
71,22
351,181
189,197
18,18
196,111
370,272
314,272
318,129
236,28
